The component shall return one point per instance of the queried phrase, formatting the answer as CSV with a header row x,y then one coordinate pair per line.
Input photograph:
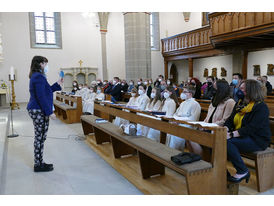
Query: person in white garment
x,y
89,97
143,99
133,102
169,107
89,105
154,104
189,110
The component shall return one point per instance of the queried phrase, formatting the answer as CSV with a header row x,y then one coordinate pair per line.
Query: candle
x,y
12,73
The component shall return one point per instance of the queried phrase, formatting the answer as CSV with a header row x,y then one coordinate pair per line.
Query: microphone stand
x,y
11,117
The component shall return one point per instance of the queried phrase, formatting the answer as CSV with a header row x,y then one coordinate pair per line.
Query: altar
x,y
3,96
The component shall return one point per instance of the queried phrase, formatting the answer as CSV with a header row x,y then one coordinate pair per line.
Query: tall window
x,y
154,31
45,30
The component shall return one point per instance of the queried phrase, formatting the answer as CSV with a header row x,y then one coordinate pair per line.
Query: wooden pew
x,y
68,108
154,157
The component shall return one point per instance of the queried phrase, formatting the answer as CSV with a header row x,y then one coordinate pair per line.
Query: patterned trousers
x,y
41,125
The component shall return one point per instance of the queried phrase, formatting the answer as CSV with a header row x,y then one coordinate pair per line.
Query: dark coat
x,y
41,93
116,92
255,124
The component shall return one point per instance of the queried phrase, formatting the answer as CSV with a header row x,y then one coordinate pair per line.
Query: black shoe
x,y
43,168
238,180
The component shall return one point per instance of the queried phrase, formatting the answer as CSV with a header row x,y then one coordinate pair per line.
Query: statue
x,y
214,72
257,70
205,72
223,72
270,68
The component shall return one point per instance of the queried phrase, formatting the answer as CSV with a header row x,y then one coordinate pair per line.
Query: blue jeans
x,y
240,144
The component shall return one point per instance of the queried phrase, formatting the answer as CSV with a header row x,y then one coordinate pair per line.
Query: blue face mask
x,y
240,94
46,69
235,81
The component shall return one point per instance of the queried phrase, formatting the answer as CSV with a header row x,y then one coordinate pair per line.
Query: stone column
x,y
137,45
103,18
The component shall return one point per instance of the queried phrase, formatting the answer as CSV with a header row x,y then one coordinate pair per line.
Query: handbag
x,y
185,157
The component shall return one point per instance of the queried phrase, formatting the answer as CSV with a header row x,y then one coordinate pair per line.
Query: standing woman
x,y
40,108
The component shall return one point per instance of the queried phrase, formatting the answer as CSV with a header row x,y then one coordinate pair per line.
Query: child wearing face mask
x,y
169,106
75,87
143,99
89,104
90,97
133,102
154,104
189,110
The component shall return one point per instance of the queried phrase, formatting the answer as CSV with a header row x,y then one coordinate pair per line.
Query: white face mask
x,y
123,84
80,87
160,80
131,83
168,82
104,83
183,96
74,84
133,94
91,91
150,82
46,69
98,91
140,92
98,82
152,95
145,83
166,95
114,82
139,83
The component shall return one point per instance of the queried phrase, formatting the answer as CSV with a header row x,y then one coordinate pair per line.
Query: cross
x,y
80,62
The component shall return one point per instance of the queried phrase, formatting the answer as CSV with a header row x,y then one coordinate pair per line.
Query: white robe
x,y
141,129
142,100
169,107
189,110
89,104
89,97
133,101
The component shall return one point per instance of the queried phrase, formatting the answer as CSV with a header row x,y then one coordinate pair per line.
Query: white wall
x,y
172,23
182,68
115,42
261,58
80,38
213,62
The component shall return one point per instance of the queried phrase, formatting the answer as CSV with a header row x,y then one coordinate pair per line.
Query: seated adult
x,y
131,86
267,84
218,112
89,97
169,107
124,86
197,84
149,87
248,127
116,90
209,91
89,104
189,110
75,87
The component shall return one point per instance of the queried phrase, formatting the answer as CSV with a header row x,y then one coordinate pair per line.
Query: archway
x,y
68,79
91,77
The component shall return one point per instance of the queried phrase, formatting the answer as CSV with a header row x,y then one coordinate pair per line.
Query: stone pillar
x,y
1,48
137,45
103,18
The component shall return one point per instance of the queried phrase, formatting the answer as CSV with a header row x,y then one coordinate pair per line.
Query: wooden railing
x,y
195,38
224,22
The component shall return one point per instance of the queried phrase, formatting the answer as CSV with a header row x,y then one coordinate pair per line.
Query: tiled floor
x,y
77,169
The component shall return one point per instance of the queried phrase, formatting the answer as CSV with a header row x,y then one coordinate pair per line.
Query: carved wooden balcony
x,y
242,28
187,44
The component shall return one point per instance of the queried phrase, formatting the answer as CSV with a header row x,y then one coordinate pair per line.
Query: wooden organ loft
x,y
226,33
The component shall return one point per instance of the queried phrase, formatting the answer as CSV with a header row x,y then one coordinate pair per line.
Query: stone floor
x,y
77,169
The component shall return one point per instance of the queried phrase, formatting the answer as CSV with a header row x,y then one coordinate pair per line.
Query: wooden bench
x,y
68,108
153,156
206,178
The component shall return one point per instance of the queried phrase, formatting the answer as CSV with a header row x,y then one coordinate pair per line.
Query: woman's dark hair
x,y
173,95
157,96
253,89
35,64
222,93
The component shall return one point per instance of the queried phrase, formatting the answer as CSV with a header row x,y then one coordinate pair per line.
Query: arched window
x,y
45,29
154,31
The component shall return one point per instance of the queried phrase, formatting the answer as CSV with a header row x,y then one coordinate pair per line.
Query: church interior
x,y
94,141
